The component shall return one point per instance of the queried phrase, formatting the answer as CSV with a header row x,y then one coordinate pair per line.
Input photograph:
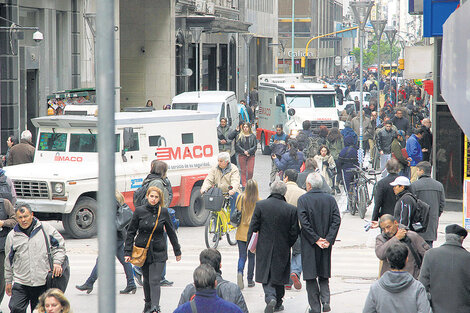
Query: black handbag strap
x,y
193,306
417,257
49,256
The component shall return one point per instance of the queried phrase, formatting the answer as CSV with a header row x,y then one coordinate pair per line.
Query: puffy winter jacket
x,y
288,162
414,150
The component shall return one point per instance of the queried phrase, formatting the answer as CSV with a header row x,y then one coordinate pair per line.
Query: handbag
x,y
236,216
59,282
123,216
139,254
213,199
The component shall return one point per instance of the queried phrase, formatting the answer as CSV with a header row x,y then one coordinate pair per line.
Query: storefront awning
x,y
217,24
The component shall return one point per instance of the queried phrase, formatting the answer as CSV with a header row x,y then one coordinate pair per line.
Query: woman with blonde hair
x,y
121,236
53,301
152,219
245,146
246,204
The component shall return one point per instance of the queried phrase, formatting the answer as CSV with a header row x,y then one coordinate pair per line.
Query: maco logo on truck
x,y
183,153
59,158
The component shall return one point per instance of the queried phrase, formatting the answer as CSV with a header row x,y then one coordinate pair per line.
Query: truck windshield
x,y
83,143
298,101
52,142
324,101
207,107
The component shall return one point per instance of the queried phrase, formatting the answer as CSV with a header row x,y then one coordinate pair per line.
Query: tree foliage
x,y
370,54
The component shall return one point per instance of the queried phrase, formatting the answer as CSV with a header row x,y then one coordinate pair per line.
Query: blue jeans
x,y
296,264
120,256
242,254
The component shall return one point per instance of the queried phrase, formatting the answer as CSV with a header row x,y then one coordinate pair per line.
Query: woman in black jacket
x,y
245,147
142,225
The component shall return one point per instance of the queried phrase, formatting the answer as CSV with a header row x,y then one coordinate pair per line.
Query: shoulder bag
x,y
236,216
139,254
52,281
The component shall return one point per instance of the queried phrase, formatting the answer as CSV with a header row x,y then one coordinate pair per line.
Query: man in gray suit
x,y
430,191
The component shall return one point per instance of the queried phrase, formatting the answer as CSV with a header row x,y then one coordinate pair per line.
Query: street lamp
x,y
292,37
378,26
402,45
196,34
361,10
247,37
390,32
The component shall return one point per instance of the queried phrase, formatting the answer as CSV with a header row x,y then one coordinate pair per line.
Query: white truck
x,y
62,182
290,99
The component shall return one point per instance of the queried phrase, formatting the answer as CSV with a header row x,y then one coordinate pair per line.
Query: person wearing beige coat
x,y
223,175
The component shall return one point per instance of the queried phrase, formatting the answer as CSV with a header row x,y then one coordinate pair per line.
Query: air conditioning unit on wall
x,y
210,8
201,6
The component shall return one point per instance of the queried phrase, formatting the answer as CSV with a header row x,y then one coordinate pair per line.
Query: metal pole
x,y
293,41
361,151
390,67
396,89
379,74
197,67
247,42
106,134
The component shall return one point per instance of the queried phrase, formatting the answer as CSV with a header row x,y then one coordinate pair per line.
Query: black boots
x,y
85,287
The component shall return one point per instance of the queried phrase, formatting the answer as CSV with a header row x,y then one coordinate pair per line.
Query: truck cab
x,y
62,182
289,100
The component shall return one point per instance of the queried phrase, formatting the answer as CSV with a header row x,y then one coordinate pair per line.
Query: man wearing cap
x,y
445,273
384,143
406,203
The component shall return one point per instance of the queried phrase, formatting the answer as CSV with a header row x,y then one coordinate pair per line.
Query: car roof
x,y
203,96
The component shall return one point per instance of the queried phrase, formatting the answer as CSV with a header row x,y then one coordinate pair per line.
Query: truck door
x,y
281,109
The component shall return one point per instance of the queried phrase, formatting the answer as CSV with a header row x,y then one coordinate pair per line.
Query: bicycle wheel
x,y
212,231
231,232
362,201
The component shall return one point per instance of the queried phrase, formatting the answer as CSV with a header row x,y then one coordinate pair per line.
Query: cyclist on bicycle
x,y
347,161
224,175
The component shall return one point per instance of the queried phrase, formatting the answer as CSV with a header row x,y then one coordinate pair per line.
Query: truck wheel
x,y
195,214
264,148
81,222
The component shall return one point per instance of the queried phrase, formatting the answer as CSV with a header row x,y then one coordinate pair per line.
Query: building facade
x,y
312,18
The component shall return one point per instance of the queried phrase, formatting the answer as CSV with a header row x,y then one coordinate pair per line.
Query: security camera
x,y
38,36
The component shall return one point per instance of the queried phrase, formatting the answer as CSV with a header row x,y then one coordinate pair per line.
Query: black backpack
x,y
139,195
420,217
5,190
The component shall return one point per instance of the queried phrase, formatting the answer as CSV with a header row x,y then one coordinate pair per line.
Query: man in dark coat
x,y
320,220
426,140
445,273
277,225
384,197
430,191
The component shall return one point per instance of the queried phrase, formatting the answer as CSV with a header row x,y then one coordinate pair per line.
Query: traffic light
x,y
302,62
401,64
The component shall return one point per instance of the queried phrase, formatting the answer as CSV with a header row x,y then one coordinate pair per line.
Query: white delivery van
x,y
62,182
290,99
224,103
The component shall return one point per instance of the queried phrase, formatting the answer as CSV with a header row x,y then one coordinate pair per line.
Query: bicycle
x,y
219,225
358,196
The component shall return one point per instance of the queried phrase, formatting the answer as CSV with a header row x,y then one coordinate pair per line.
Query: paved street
x,y
354,266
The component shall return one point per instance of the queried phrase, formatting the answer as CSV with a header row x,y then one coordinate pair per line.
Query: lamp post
x,y
361,10
247,37
390,32
293,38
196,34
402,45
378,26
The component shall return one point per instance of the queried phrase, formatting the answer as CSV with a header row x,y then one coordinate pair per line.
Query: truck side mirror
x,y
291,112
128,138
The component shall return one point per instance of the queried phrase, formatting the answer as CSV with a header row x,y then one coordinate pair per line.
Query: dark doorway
x,y
232,64
179,64
209,67
32,105
223,71
192,66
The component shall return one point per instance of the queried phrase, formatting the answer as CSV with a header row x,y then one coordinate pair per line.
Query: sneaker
x,y
240,281
251,283
296,281
288,287
326,307
279,308
270,306
166,283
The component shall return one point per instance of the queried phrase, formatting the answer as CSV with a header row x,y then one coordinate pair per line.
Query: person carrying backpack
x,y
7,189
409,210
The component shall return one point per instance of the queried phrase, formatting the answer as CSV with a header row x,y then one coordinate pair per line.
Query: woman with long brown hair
x,y
245,147
140,229
246,204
